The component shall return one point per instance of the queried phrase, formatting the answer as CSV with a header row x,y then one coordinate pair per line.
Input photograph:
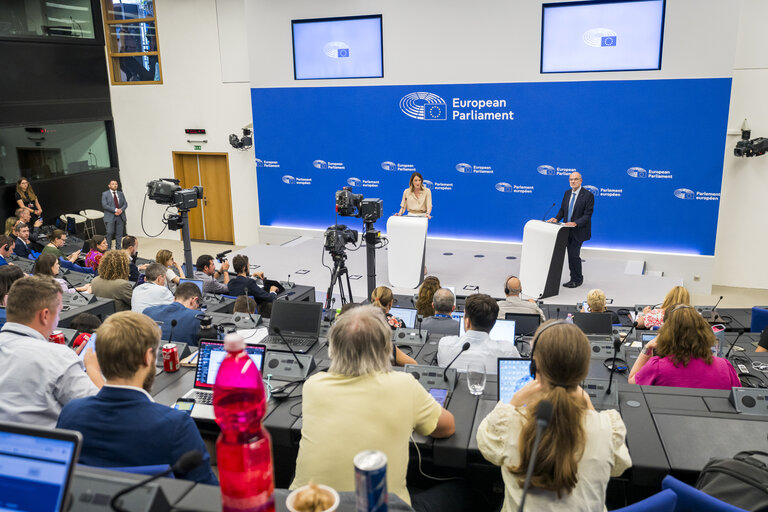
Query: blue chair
x,y
663,501
759,318
139,470
690,499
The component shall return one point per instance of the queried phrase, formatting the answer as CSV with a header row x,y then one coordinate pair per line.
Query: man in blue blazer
x,y
114,204
576,213
122,425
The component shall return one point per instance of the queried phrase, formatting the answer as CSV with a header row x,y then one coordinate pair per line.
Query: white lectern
x,y
405,252
541,263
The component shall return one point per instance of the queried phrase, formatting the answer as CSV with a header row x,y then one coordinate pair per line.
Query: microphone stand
x,y
277,331
419,318
741,331
616,345
549,210
464,348
87,300
543,416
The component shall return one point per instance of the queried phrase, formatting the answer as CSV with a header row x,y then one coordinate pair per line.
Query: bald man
x,y
513,303
576,213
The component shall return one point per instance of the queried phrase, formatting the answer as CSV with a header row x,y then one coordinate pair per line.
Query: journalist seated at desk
x,y
654,317
243,284
153,291
112,281
480,312
580,449
184,310
9,274
681,355
444,303
596,302
122,425
23,246
361,404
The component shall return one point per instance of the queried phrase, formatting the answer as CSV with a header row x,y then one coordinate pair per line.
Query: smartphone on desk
x,y
185,404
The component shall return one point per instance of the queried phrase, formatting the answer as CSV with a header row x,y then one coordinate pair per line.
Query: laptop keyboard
x,y
292,340
204,397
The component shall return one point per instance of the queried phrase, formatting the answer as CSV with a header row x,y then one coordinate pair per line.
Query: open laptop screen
x,y
212,354
503,330
196,282
35,466
406,315
514,373
301,318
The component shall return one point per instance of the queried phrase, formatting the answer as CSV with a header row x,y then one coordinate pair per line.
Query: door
x,y
212,219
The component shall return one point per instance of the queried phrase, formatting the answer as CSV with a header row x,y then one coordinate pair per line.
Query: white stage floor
x,y
461,264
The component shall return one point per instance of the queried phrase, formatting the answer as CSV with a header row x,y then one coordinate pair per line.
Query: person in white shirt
x,y
480,312
153,291
38,377
580,450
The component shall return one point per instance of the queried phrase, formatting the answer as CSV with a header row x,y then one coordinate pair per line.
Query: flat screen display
x,y
612,35
503,330
406,315
348,47
514,373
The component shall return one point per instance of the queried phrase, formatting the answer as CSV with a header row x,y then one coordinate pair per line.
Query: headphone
x,y
536,338
507,290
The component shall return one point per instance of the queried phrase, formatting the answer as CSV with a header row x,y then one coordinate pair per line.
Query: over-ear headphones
x,y
535,339
507,290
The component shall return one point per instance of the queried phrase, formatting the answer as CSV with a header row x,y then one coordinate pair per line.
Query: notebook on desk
x,y
36,466
210,355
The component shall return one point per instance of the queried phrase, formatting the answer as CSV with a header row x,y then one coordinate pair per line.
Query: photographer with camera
x,y
205,270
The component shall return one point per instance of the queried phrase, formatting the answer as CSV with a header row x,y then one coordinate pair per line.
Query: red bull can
x,y
58,337
371,481
170,358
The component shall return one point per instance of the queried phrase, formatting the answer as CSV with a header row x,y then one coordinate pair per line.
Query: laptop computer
x,y
513,374
406,315
593,323
198,282
525,323
299,323
210,355
503,330
36,466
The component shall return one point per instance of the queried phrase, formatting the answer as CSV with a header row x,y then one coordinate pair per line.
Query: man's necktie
x,y
570,206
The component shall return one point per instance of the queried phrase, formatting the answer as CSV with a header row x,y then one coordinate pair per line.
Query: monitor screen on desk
x,y
503,330
196,282
406,315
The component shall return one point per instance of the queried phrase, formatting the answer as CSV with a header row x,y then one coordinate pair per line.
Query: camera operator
x,y
205,270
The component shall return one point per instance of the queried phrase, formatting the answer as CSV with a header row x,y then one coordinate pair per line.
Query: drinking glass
x,y
476,378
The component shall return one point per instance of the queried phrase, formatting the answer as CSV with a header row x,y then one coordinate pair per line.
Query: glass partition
x,y
41,18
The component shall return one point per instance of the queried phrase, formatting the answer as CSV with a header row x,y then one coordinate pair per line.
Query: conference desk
x,y
100,307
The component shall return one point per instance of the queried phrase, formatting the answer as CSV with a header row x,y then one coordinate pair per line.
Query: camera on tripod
x,y
337,237
354,205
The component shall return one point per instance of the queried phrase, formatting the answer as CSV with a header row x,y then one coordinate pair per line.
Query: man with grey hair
x,y
360,403
514,304
152,292
441,322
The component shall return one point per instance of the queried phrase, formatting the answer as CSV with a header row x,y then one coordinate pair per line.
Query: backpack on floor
x,y
741,481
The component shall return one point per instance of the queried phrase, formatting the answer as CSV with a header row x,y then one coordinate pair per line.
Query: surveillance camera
x,y
244,143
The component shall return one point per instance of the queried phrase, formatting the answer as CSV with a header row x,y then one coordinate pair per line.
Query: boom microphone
x,y
548,210
174,323
464,348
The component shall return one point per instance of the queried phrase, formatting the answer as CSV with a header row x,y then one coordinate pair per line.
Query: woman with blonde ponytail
x,y
382,297
579,451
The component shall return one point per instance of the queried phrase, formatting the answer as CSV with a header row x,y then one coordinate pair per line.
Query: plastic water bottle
x,y
244,450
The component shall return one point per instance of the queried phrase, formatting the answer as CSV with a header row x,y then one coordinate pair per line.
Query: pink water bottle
x,y
244,449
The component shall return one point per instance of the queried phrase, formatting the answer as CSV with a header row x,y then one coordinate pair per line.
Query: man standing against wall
x,y
114,204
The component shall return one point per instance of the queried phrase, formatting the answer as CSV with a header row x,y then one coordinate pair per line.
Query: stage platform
x,y
465,265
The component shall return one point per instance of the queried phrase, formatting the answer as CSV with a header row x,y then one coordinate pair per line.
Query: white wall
x,y
742,245
150,119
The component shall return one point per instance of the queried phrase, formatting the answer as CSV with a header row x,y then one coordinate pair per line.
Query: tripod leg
x,y
329,294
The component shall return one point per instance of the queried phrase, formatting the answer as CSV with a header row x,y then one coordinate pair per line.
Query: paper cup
x,y
292,496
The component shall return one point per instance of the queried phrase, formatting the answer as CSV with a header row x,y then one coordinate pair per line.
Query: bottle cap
x,y
233,342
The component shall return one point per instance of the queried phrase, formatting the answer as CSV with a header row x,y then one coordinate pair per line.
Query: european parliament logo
x,y
465,168
259,162
289,180
320,164
389,166
684,193
428,184
503,186
424,106
336,49
354,182
592,189
546,170
599,37
637,172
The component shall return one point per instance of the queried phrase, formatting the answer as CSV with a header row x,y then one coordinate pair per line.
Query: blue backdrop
x,y
496,155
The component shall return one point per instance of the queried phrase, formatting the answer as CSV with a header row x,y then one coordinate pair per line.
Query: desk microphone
x,y
558,314
64,276
718,303
741,331
616,346
543,417
290,284
464,348
419,318
174,323
277,331
185,464
548,210
248,307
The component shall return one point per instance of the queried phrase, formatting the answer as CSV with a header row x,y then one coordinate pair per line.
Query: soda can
x,y
371,481
58,337
170,358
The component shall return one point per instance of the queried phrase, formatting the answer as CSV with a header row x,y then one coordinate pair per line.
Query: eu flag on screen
x,y
435,112
343,52
608,41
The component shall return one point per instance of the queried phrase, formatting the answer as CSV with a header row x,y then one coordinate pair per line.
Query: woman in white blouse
x,y
417,198
580,450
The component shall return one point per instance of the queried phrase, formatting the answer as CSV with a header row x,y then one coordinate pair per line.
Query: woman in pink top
x,y
681,355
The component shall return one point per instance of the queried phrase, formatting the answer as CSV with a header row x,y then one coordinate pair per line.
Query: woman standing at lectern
x,y
417,198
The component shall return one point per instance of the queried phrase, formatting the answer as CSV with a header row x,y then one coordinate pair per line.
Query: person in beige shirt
x,y
360,404
417,198
112,281
581,448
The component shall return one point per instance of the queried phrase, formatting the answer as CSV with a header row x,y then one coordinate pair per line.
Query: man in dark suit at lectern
x,y
576,213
